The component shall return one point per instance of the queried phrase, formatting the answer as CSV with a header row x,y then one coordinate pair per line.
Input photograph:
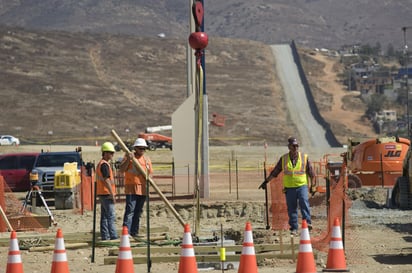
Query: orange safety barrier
x,y
337,206
87,190
18,219
280,220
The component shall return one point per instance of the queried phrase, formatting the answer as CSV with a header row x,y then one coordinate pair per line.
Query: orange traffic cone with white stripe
x,y
336,255
306,260
59,264
14,263
124,263
248,262
187,262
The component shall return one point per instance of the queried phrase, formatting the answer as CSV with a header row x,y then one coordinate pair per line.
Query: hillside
x,y
344,111
311,23
83,85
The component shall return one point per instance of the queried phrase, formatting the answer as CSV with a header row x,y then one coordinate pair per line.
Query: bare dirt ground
x,y
377,239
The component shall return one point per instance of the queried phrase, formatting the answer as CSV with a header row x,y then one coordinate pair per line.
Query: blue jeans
x,y
134,209
293,195
107,218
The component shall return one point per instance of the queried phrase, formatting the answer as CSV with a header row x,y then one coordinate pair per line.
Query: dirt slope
x,y
342,109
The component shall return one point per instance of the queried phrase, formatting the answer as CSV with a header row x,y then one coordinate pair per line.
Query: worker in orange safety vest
x,y
135,185
106,191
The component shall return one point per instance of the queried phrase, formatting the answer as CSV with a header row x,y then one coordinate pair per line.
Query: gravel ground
x,y
378,239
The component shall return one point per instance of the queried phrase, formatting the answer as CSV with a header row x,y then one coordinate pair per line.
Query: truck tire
x,y
354,182
400,198
152,147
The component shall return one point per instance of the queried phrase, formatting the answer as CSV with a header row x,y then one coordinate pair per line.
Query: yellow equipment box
x,y
68,178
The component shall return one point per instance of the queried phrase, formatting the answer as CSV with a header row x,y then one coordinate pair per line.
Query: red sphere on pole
x,y
198,40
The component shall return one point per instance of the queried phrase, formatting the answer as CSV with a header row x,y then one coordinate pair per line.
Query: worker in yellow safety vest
x,y
297,174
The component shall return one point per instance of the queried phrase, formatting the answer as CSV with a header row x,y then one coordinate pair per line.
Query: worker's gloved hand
x,y
312,190
263,185
129,155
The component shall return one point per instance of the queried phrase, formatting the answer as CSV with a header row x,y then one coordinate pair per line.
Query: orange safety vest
x,y
134,180
101,188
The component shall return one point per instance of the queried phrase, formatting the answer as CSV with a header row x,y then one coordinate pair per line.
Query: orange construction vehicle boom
x,y
375,162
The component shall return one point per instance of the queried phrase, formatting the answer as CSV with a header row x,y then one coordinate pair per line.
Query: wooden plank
x,y
51,247
199,258
203,249
6,220
74,237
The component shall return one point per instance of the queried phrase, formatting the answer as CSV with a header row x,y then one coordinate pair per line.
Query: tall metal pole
x,y
148,259
205,122
198,40
191,63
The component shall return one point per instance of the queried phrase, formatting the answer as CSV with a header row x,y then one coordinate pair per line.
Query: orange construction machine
x,y
155,141
375,162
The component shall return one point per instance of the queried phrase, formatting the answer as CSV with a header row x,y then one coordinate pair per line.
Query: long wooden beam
x,y
152,183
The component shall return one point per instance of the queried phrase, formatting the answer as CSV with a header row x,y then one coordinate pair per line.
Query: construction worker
x,y
106,191
296,169
135,185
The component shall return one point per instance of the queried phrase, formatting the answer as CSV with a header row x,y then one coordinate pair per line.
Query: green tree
x,y
376,103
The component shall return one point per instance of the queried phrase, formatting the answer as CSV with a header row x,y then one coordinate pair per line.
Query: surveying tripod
x,y
37,192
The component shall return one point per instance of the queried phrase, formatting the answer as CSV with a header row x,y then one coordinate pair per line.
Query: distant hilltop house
x,y
386,115
370,78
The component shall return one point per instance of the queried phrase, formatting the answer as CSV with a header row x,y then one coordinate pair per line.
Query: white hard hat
x,y
140,142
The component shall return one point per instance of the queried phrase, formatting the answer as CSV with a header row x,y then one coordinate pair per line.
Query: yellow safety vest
x,y
294,177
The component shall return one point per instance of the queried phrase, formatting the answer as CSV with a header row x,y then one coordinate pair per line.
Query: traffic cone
x,y
187,262
336,255
306,260
124,263
59,264
14,264
248,262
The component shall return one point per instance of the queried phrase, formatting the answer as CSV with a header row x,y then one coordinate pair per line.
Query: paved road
x,y
311,133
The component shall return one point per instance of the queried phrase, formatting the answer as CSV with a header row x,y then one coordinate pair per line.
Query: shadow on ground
x,y
402,228
393,259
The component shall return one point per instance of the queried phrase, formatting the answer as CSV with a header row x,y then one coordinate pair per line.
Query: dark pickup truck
x,y
46,165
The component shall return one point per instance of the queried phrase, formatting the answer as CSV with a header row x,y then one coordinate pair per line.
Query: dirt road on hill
x,y
351,118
